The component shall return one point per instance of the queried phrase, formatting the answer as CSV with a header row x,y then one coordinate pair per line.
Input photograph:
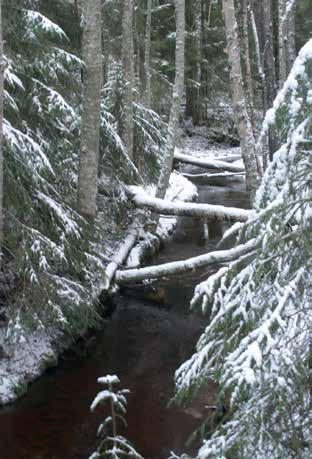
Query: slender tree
x,y
240,112
2,67
90,120
176,99
246,57
281,42
147,60
269,67
291,34
127,127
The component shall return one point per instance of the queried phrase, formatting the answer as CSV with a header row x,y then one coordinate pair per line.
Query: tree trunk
x,y
240,113
258,58
2,67
291,36
246,56
147,60
176,99
90,119
281,42
269,65
127,128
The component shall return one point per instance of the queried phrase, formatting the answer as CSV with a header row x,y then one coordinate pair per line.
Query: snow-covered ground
x,y
23,363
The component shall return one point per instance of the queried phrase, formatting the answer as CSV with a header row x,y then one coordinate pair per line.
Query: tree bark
x,y
240,112
258,58
269,65
2,68
176,99
127,128
246,56
291,35
281,42
90,119
147,60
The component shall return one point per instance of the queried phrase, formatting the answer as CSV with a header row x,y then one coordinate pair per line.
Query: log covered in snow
x,y
179,267
208,163
186,209
214,179
119,258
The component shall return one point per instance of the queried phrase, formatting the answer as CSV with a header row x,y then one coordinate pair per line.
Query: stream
x,y
143,343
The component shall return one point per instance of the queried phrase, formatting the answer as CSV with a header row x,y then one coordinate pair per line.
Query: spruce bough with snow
x,y
257,345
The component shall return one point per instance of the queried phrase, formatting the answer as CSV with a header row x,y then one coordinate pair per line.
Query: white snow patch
x,y
23,363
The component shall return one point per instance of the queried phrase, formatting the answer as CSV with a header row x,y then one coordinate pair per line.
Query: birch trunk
x,y
2,67
128,75
90,119
281,42
147,60
240,112
176,99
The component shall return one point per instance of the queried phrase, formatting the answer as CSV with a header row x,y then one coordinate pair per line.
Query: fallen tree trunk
x,y
208,163
120,258
178,267
186,209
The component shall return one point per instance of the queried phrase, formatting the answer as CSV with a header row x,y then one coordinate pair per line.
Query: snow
x,y
179,189
180,208
108,379
103,396
291,83
23,363
45,24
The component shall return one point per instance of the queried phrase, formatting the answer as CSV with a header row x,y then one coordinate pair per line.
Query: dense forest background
x,y
92,103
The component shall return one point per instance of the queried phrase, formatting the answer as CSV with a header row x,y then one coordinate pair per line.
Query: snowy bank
x,y
23,363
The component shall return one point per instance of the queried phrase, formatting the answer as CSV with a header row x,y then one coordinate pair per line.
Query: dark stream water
x,y
143,343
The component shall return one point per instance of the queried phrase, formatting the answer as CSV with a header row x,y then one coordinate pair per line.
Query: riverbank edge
x,y
22,364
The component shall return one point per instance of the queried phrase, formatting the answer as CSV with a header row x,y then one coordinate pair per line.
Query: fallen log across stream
x,y
208,163
184,266
187,209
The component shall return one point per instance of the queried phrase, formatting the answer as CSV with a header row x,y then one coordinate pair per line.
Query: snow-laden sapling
x,y
112,445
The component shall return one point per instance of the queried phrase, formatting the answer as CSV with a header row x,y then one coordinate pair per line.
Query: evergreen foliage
x,y
54,250
112,446
257,344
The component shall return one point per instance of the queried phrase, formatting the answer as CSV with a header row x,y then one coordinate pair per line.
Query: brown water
x,y
143,343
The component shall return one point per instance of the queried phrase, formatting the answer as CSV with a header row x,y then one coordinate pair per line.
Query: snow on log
x,y
179,267
119,258
187,209
208,163
218,175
